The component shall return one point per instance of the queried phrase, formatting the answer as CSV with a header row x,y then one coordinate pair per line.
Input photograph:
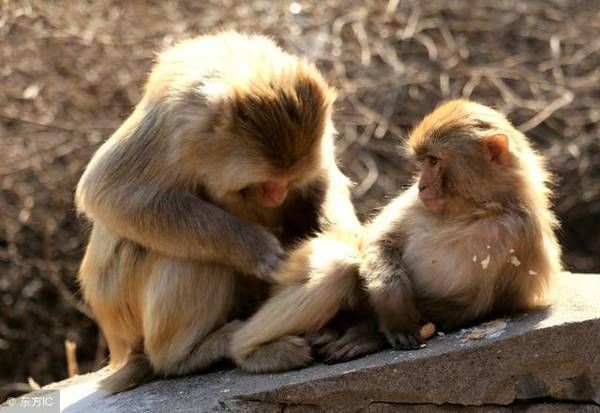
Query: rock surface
x,y
543,361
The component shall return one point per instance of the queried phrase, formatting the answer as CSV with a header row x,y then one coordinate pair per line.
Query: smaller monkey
x,y
472,238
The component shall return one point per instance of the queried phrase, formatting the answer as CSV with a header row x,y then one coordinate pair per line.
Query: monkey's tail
x,y
135,372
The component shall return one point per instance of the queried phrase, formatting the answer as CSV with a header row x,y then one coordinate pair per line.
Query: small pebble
x,y
514,261
485,263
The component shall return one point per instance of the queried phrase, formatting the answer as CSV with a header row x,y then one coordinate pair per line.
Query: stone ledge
x,y
546,360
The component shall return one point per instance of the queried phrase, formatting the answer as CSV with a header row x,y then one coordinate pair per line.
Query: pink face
x,y
431,191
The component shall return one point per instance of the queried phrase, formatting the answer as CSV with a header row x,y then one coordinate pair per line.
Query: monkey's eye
x,y
432,160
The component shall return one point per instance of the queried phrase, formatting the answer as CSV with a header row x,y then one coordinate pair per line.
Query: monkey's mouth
x,y
432,198
430,193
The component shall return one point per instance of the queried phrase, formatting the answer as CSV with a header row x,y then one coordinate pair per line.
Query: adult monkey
x,y
227,159
473,237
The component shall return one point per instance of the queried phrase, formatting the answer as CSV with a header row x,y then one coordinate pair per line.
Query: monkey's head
x,y
274,129
470,155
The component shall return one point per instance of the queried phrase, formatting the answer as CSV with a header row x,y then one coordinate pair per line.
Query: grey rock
x,y
543,361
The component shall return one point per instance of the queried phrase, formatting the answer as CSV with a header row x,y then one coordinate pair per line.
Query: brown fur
x,y
181,244
421,264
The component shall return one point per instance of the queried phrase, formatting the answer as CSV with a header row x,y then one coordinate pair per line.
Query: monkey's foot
x,y
356,342
404,341
286,353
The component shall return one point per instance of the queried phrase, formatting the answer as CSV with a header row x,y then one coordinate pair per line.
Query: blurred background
x,y
70,73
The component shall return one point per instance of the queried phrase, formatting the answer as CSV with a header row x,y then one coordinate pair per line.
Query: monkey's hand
x,y
262,256
398,318
404,340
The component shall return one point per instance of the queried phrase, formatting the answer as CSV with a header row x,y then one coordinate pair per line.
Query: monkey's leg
x,y
101,284
185,303
117,347
139,368
266,342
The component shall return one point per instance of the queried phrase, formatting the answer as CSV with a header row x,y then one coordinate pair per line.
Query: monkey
x,y
473,237
227,161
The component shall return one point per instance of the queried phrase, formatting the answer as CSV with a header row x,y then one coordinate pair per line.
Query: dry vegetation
x,y
71,72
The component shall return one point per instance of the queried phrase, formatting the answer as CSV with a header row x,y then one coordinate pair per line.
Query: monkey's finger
x,y
399,341
393,339
329,348
322,338
353,350
347,352
339,354
347,338
414,341
361,350
267,269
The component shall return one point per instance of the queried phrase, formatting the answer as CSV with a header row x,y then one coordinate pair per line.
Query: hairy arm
x,y
391,295
383,273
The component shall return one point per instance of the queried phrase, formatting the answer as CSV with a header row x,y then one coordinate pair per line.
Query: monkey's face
x,y
464,171
277,126
466,162
431,184
275,184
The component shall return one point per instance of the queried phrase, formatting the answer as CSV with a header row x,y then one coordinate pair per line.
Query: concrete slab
x,y
542,361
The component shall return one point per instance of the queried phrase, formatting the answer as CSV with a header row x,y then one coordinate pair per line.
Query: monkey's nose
x,y
422,187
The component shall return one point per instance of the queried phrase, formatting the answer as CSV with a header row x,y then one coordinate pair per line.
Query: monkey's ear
x,y
497,148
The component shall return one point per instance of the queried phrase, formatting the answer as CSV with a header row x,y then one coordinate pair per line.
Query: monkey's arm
x,y
171,220
391,294
181,225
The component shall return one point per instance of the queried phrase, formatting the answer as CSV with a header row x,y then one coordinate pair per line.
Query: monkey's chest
x,y
441,266
433,270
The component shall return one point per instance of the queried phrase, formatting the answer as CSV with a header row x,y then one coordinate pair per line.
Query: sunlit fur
x,y
499,210
174,227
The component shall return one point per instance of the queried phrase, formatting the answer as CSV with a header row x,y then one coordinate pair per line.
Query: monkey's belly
x,y
439,269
